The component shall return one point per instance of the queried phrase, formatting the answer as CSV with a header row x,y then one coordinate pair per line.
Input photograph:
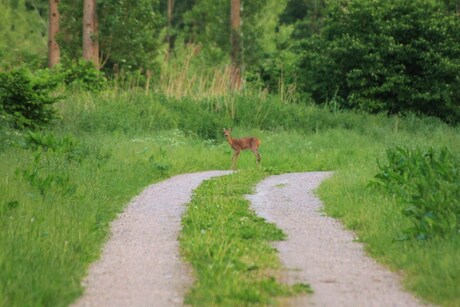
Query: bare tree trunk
x,y
170,16
90,39
96,57
236,52
53,29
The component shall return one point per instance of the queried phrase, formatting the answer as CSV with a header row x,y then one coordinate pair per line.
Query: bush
x,y
26,99
427,182
385,56
84,75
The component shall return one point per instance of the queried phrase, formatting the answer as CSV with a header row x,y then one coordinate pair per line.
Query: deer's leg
x,y
256,153
236,153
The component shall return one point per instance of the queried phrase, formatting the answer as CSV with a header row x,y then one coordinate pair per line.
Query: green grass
x,y
56,203
429,268
228,246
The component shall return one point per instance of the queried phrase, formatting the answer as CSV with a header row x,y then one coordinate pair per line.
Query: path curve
x,y
318,251
140,264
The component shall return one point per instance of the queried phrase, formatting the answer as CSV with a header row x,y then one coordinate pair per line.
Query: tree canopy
x,y
391,56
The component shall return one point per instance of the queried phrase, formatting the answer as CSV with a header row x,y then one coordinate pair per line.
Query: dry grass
x,y
180,77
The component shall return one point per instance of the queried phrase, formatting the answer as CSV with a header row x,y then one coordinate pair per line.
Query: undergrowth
x,y
426,181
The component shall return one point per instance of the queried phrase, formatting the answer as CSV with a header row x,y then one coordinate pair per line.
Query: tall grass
x,y
59,189
180,77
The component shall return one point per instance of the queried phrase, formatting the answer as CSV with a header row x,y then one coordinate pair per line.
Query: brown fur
x,y
247,143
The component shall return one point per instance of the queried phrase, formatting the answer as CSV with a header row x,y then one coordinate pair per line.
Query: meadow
x,y
61,186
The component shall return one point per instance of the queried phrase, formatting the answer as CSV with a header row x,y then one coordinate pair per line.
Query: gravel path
x,y
318,251
140,264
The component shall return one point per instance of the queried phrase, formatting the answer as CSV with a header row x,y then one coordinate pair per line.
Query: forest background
x,y
401,56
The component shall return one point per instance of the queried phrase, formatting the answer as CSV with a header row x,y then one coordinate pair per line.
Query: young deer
x,y
248,143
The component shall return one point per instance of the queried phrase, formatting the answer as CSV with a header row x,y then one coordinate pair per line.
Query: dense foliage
x,y
83,75
427,182
128,33
391,56
26,99
372,55
22,32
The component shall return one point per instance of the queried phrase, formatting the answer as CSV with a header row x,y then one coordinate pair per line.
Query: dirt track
x,y
140,264
319,251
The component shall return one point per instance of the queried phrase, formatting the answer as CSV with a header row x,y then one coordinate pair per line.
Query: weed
x,y
427,182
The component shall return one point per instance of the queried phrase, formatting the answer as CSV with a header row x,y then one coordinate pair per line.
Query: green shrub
x,y
26,99
84,75
385,56
427,182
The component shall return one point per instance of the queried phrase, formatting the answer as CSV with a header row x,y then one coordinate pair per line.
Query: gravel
x,y
318,251
140,264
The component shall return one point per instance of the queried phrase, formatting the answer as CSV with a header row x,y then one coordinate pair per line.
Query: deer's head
x,y
227,132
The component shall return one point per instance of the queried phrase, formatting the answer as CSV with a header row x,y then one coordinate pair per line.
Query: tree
x,y
393,56
170,18
305,15
53,46
90,32
127,32
236,54
452,6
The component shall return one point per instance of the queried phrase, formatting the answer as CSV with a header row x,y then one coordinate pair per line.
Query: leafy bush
x,y
26,99
427,182
84,75
385,56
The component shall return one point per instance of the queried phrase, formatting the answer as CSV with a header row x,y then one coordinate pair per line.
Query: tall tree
x,y
170,17
90,32
53,29
236,51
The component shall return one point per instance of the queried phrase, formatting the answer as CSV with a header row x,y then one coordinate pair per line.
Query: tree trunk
x,y
96,57
90,27
236,52
170,16
53,29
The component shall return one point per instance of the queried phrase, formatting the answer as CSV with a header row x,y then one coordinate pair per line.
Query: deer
x,y
246,143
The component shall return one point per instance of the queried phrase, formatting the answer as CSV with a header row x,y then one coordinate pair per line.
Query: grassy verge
x,y
57,200
60,190
228,246
429,268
